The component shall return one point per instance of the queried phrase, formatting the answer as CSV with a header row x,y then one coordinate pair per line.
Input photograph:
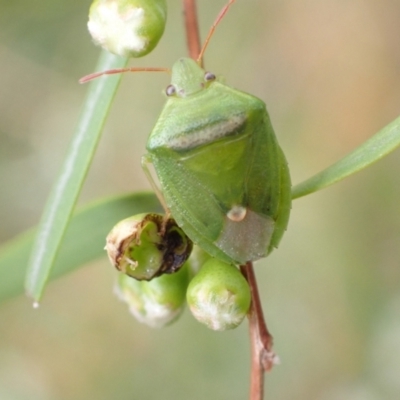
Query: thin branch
x,y
263,357
192,28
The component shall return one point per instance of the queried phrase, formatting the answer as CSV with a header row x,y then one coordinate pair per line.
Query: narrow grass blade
x,y
375,148
65,192
83,242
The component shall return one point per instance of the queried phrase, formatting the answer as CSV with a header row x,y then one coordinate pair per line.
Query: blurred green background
x,y
329,72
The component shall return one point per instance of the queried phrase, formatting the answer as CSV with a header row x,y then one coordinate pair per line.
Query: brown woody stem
x,y
262,356
192,28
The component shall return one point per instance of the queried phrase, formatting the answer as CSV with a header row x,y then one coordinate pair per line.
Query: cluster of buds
x,y
157,275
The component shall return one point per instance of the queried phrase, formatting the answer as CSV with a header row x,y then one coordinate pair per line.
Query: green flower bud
x,y
129,28
197,258
157,302
147,245
219,295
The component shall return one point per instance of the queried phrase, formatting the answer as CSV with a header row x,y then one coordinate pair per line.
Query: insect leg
x,y
145,166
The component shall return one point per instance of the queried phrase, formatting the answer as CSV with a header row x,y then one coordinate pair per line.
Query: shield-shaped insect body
x,y
222,173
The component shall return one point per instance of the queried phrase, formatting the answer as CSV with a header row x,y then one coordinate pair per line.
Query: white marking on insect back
x,y
207,133
237,213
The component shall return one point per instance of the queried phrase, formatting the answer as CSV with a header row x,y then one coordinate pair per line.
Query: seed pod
x,y
219,295
147,245
157,302
129,28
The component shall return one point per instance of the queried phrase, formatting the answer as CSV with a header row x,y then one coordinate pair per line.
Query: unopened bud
x,y
219,295
157,302
147,245
196,260
129,28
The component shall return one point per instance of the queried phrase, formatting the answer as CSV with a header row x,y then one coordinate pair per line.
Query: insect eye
x,y
170,90
209,76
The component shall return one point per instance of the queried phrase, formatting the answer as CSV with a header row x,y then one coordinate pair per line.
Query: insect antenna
x,y
212,29
95,75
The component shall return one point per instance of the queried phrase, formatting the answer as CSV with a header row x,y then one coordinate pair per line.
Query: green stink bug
x,y
222,173
223,176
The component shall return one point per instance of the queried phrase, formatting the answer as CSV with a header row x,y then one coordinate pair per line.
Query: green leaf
x,y
375,148
65,192
83,242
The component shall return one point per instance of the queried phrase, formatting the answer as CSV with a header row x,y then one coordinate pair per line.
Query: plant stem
x,y
192,28
263,357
